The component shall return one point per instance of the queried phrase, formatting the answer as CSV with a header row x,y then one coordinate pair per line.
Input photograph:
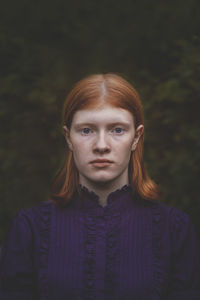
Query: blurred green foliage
x,y
46,46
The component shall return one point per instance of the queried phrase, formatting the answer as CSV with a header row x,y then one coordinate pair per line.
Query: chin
x,y
102,180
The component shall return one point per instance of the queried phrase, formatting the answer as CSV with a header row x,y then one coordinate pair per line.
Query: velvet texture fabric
x,y
129,249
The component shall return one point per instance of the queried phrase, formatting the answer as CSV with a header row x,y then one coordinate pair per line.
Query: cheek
x,y
124,147
125,151
122,152
80,152
77,145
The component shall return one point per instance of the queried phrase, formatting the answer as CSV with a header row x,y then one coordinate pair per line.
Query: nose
x,y
101,144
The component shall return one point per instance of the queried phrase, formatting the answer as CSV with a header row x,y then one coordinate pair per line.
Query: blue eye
x,y
118,130
86,130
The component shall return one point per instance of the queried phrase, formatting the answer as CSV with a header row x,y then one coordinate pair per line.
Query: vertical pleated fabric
x,y
120,251
101,251
129,249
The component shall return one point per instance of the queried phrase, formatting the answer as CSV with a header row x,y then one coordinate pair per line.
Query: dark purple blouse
x,y
129,249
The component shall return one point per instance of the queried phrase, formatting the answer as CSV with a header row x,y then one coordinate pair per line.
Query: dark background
x,y
46,46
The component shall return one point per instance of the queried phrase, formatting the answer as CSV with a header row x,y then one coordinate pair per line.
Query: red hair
x,y
92,92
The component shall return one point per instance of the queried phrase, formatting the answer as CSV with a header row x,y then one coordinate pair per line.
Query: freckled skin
x,y
106,133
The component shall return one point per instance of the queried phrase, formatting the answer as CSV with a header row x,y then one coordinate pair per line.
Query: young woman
x,y
103,235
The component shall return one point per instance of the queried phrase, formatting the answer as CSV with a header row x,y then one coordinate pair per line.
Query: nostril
x,y
101,148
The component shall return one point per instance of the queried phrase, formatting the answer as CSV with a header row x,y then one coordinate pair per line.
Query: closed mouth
x,y
101,161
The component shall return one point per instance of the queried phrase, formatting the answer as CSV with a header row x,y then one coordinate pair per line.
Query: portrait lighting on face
x,y
102,141
97,102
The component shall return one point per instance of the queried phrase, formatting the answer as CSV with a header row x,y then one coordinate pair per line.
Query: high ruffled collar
x,y
86,199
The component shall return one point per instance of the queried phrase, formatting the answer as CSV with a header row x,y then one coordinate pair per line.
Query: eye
x,y
86,131
118,130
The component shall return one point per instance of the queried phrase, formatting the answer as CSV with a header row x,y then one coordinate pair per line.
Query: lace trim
x,y
112,255
84,188
44,219
112,241
112,244
91,200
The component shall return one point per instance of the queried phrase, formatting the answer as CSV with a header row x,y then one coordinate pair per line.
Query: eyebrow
x,y
93,124
112,124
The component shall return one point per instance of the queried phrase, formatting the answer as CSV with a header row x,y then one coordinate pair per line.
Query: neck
x,y
103,189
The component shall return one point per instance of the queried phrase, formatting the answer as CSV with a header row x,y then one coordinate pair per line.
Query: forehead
x,y
107,114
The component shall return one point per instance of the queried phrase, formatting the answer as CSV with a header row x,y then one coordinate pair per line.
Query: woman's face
x,y
102,141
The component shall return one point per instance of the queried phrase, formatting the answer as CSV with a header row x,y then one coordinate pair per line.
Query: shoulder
x,y
35,210
175,221
173,229
28,226
173,215
29,218
166,215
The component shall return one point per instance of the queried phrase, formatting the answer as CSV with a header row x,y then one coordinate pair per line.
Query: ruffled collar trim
x,y
87,199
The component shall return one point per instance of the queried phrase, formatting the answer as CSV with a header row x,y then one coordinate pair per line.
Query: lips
x,y
100,163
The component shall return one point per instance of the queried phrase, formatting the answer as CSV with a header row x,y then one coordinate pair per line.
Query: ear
x,y
138,133
67,137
